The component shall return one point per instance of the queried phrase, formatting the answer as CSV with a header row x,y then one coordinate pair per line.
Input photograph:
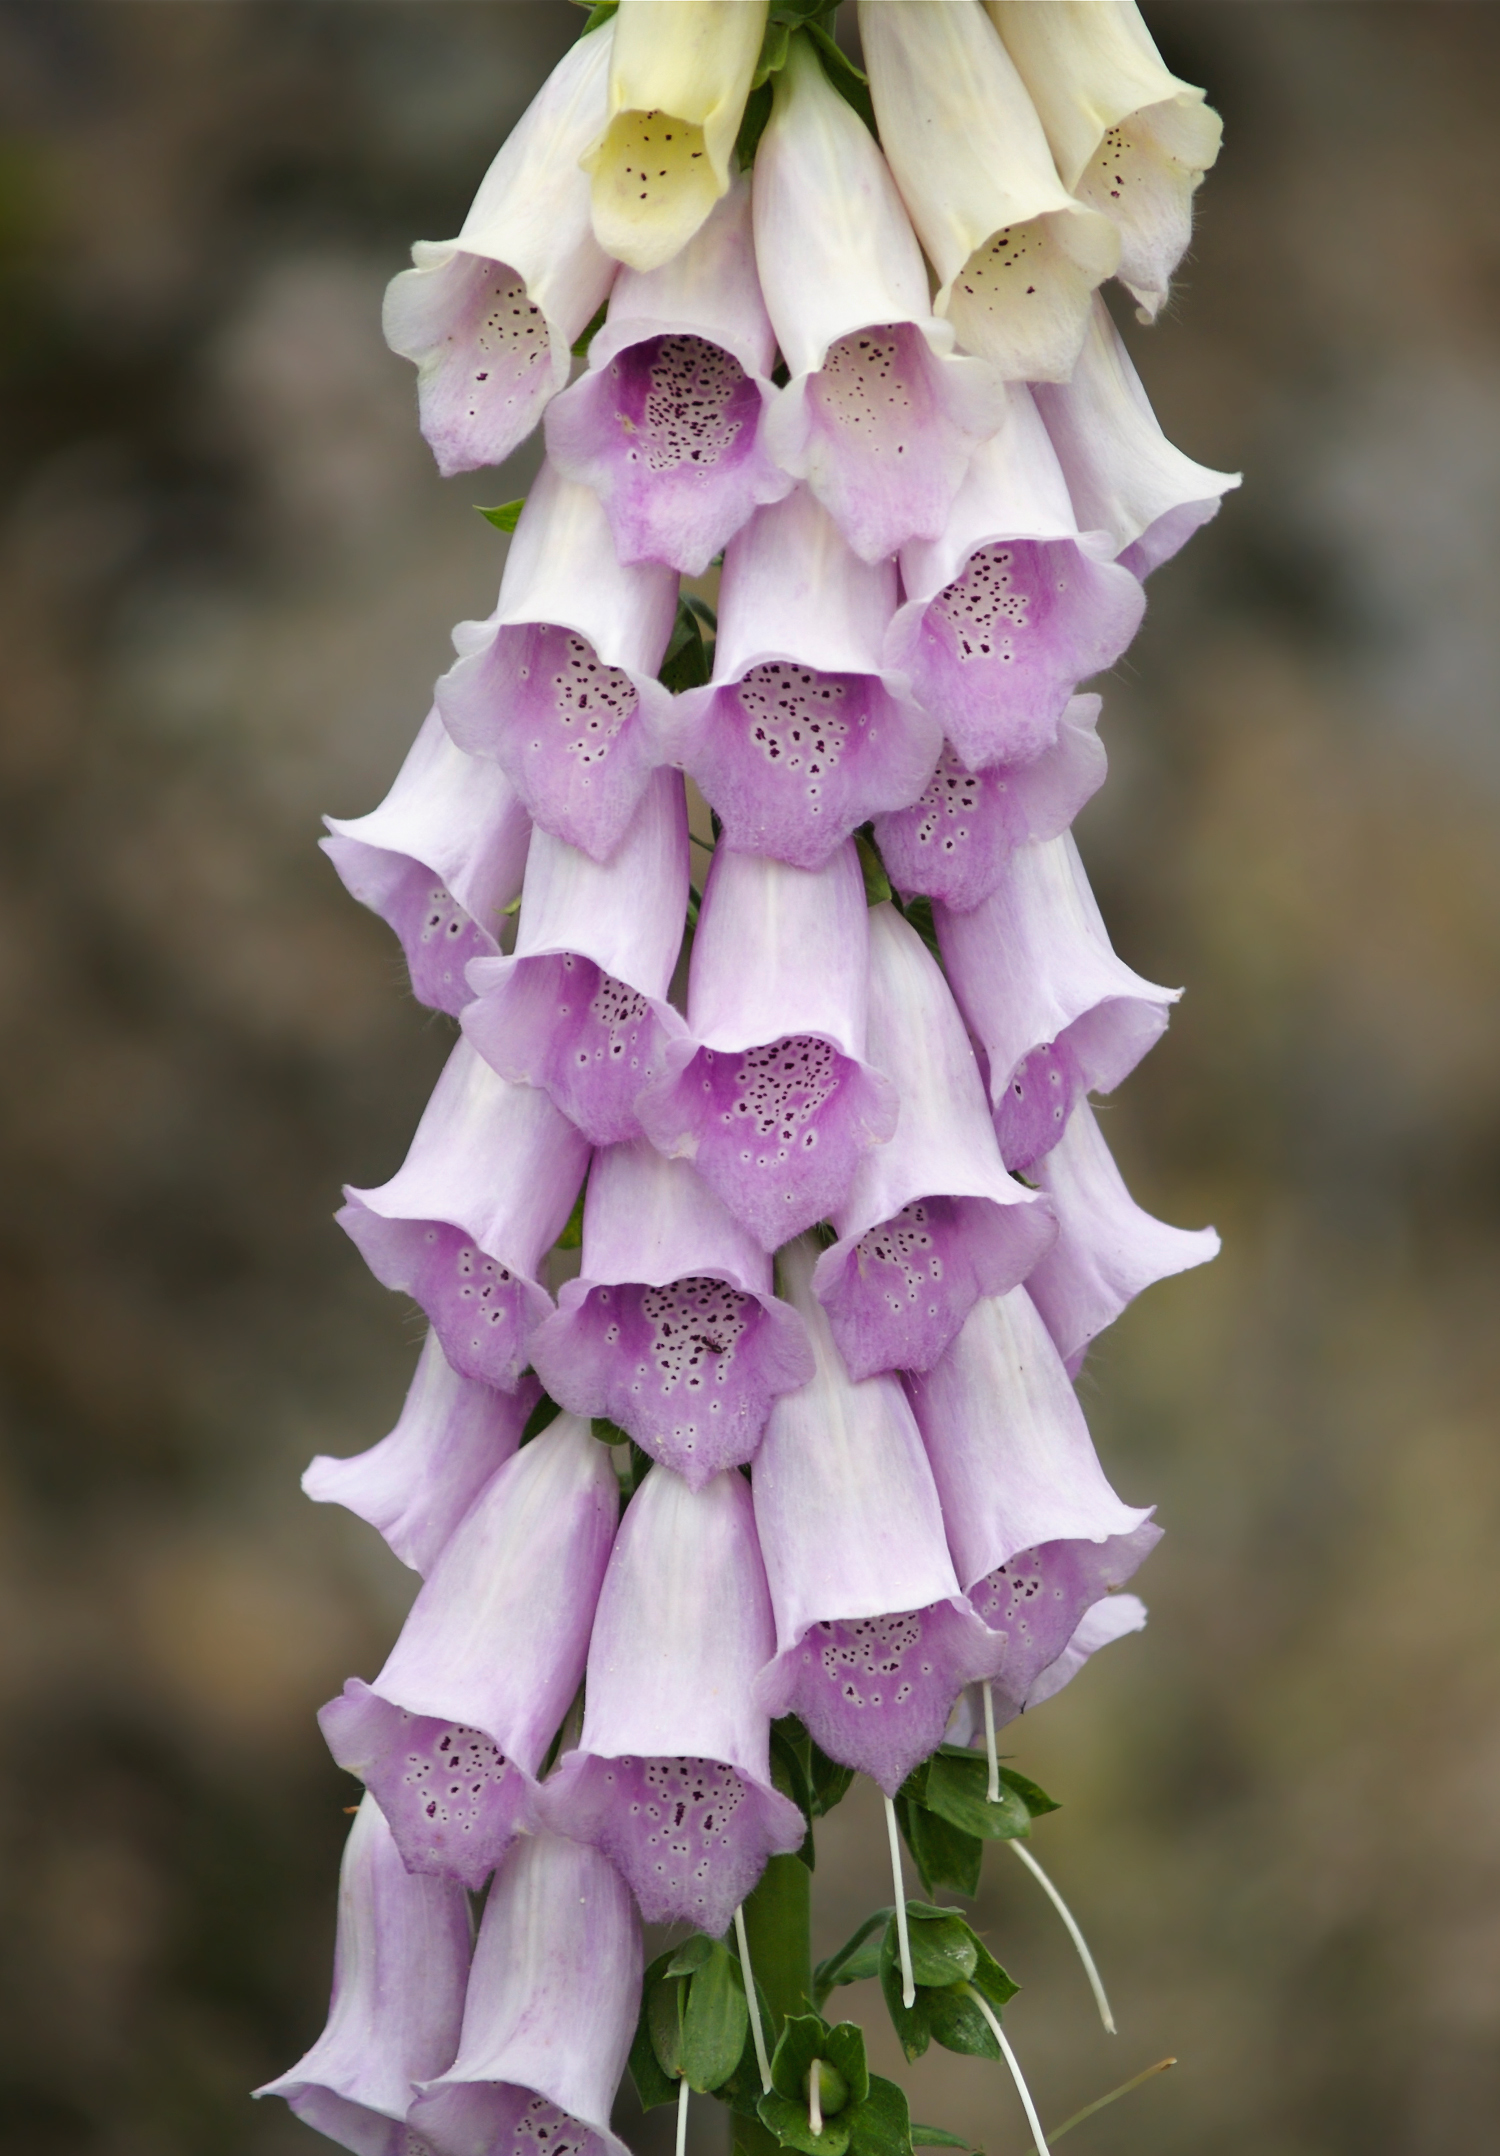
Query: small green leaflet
x,y
951,1965
506,516
693,2023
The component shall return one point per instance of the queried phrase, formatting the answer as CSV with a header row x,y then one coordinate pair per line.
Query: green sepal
x,y
851,83
877,882
607,1432
956,1787
856,1959
943,1947
546,1411
742,2091
686,663
805,2037
936,2137
691,1956
716,2019
918,912
505,516
956,2022
944,1856
752,126
580,345
773,49
600,11
882,2124
653,2084
788,2121
789,1775
572,1235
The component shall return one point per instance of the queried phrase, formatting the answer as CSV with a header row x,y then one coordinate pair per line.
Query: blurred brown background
x,y
227,572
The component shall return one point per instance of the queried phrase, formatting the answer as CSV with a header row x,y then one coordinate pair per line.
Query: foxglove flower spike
x,y
490,317
449,1737
1016,257
931,1221
672,1329
581,1008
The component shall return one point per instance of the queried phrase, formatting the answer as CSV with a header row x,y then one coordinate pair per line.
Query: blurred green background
x,y
227,573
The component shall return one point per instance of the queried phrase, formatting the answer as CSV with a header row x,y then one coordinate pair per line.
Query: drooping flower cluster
x,y
819,1130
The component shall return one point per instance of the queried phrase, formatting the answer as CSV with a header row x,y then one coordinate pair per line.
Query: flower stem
x,y
1089,1970
777,1921
1032,2120
903,1937
762,2059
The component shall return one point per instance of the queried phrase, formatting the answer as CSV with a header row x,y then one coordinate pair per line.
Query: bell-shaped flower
x,y
464,1223
1056,1012
679,76
672,1329
449,1737
874,1640
800,737
1108,1249
416,1485
932,1220
1129,138
956,840
1123,474
1013,606
400,1963
665,426
559,684
880,416
1036,1532
772,1098
581,1008
671,1777
490,318
552,2004
439,861
1016,257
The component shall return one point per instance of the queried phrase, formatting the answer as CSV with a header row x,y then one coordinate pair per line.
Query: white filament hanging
x,y
1039,2138
1089,1970
903,1937
756,2031
682,2104
993,1791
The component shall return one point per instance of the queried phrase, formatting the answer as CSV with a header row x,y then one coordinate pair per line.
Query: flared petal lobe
x,y
679,76
955,841
671,1778
800,737
559,685
874,1641
552,2003
1011,608
880,416
666,425
1108,1249
581,1009
1017,257
450,1735
931,1220
672,1330
439,861
1112,1617
400,1963
417,1483
1056,1012
1129,138
771,1098
1124,476
463,1225
489,318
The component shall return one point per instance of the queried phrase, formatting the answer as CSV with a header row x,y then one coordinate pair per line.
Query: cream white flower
x,y
679,77
1129,138
1017,258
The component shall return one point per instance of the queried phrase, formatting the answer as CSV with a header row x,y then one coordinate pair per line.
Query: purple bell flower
x,y
559,684
400,1963
666,424
1056,1012
874,1639
932,1220
439,861
881,415
801,737
1112,1617
1011,606
956,839
581,1008
671,1777
490,318
1108,1249
1036,1532
416,1485
1124,476
552,2003
772,1098
463,1225
672,1329
449,1737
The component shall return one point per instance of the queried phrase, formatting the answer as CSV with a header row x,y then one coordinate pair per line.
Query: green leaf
x,y
742,2091
546,1411
789,1775
957,1790
936,2137
877,882
716,2021
505,516
653,2084
686,663
788,2121
882,2124
944,1856
753,125
852,85
943,1948
919,912
1036,1801
664,2010
909,2022
585,337
856,1959
954,2019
